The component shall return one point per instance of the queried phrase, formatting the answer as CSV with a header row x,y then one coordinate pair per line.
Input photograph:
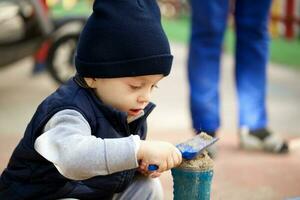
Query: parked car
x,y
27,29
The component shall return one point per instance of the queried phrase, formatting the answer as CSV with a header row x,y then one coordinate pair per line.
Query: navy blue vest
x,y
30,176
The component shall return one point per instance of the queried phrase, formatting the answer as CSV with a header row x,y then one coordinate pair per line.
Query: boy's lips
x,y
134,111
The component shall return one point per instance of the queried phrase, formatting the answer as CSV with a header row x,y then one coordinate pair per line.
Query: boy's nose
x,y
144,98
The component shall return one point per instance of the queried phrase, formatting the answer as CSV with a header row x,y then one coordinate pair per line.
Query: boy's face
x,y
128,94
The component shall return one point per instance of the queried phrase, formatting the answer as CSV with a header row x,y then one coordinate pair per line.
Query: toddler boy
x,y
87,139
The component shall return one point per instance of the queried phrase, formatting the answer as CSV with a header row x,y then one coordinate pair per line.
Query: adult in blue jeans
x,y
209,20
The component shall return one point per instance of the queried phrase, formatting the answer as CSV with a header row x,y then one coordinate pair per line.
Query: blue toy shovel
x,y
190,148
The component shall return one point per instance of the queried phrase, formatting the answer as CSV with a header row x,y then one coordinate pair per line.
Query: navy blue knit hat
x,y
123,38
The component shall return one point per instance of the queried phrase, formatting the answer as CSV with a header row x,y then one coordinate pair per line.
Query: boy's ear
x,y
91,82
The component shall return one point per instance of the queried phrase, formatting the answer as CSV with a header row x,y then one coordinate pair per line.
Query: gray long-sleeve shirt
x,y
68,143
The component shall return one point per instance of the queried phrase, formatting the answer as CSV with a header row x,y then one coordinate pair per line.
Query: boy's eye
x,y
135,87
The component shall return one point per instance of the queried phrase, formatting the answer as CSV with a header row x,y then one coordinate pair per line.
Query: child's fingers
x,y
163,167
143,165
143,172
178,155
170,162
177,159
155,174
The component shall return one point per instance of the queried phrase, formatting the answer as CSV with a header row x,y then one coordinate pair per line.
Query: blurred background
x,y
37,44
284,28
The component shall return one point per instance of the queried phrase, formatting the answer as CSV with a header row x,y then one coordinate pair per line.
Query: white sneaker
x,y
264,141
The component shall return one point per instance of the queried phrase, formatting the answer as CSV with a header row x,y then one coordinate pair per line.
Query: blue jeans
x,y
209,20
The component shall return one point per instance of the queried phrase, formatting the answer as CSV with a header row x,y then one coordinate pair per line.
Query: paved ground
x,y
238,174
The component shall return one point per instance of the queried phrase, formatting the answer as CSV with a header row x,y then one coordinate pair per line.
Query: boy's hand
x,y
163,154
143,169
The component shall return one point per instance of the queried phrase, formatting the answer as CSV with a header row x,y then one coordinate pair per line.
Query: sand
x,y
201,162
